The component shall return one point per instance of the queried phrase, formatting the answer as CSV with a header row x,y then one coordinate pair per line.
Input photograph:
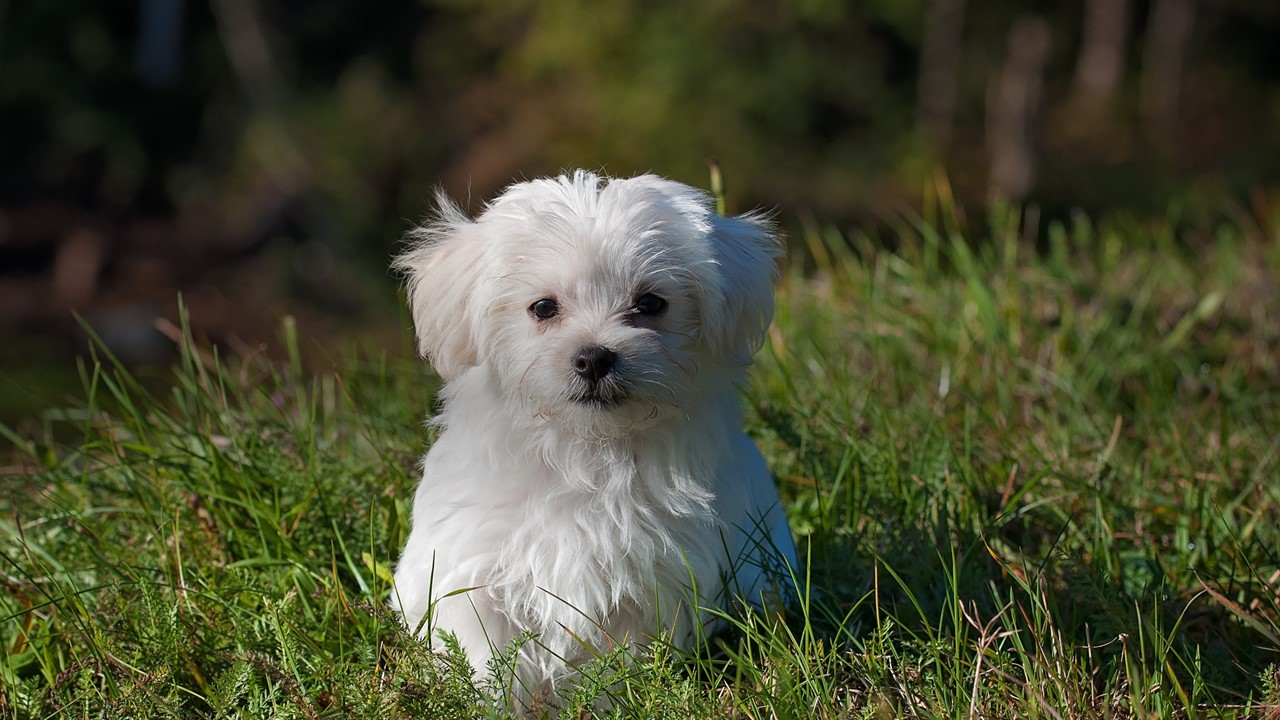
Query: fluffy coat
x,y
591,484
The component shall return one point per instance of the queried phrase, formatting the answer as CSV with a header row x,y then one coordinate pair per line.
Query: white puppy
x,y
591,484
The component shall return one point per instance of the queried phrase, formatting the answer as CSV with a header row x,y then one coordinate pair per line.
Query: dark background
x,y
263,157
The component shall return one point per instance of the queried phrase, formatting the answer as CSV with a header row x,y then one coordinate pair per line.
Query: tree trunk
x,y
1013,110
1168,34
940,52
1100,66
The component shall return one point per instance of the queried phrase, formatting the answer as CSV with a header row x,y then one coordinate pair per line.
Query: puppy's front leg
x,y
472,617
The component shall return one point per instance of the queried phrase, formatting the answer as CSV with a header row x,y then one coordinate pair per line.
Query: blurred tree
x,y
1101,62
805,102
1015,108
940,55
1168,34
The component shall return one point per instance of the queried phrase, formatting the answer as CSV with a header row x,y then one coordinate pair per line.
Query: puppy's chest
x,y
606,547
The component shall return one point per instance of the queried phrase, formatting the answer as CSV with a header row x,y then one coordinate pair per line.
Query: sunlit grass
x,y
1033,478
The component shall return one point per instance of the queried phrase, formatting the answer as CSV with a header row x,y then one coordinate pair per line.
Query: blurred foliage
x,y
809,105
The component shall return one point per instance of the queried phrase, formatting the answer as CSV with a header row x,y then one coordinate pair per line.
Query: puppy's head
x,y
601,304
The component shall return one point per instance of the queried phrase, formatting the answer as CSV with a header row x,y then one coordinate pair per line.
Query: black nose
x,y
593,363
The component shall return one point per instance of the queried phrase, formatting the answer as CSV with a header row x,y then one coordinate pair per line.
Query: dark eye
x,y
545,309
650,304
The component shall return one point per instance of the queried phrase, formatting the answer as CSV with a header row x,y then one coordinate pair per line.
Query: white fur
x,y
588,524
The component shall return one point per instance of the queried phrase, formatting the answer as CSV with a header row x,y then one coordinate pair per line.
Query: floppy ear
x,y
737,284
746,250
444,269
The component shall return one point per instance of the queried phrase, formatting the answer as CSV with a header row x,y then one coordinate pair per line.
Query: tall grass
x,y
1035,474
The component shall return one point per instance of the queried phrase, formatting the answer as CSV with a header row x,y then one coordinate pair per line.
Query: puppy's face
x,y
596,322
597,305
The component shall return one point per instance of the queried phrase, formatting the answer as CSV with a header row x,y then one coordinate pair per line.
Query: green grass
x,y
1031,481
